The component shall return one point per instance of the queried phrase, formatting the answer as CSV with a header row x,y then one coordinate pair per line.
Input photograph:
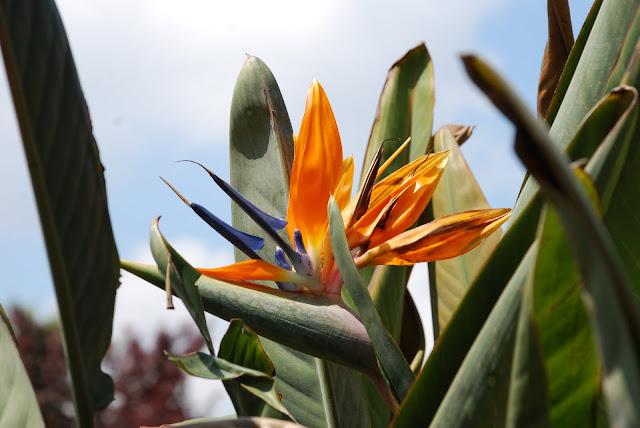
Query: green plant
x,y
539,327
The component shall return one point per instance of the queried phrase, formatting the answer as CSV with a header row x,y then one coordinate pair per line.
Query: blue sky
x,y
158,77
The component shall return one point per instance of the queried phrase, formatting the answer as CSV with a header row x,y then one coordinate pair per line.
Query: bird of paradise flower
x,y
377,220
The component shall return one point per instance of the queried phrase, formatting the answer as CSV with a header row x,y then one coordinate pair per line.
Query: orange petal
x,y
389,183
253,270
342,191
391,158
428,172
316,169
443,238
409,206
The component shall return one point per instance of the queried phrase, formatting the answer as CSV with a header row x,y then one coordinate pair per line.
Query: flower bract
x,y
378,220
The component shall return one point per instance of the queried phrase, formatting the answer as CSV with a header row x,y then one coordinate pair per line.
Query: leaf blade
x,y
57,136
18,402
394,367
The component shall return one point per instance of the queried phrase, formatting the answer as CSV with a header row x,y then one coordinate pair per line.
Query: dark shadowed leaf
x,y
478,393
412,338
611,305
69,188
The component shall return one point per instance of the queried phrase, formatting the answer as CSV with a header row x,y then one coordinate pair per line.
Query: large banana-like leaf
x,y
454,343
69,188
405,110
478,393
611,306
457,191
260,148
615,167
558,323
610,31
18,403
318,393
559,310
528,403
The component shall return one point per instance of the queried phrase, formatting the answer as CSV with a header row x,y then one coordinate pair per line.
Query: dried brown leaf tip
x,y
556,52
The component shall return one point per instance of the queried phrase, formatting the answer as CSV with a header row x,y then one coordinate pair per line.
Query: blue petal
x,y
297,239
281,260
260,217
246,243
268,223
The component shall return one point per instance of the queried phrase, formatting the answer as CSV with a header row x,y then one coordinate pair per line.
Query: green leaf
x,y
455,341
561,325
260,148
18,403
627,51
457,191
318,393
320,325
478,393
412,340
405,110
393,365
586,87
240,345
528,404
610,303
210,367
233,423
387,289
180,280
615,170
598,58
572,62
69,188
